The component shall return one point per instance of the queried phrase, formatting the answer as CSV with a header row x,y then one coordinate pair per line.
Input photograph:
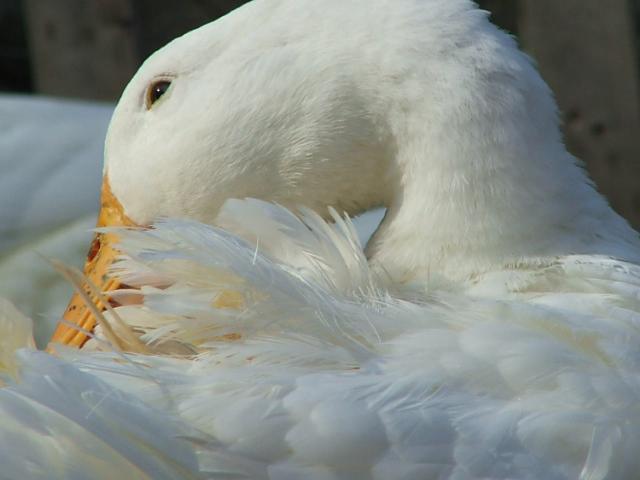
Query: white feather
x,y
334,380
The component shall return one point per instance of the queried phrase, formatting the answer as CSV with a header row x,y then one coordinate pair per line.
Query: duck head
x,y
423,107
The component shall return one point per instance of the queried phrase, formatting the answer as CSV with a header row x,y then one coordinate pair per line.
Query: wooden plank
x,y
587,54
81,48
91,48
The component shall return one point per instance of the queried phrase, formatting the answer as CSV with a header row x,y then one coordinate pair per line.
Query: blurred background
x,y
50,149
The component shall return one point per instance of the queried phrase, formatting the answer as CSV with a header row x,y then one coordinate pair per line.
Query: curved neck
x,y
489,213
489,185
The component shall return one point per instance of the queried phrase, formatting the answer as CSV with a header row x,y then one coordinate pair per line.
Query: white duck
x,y
492,332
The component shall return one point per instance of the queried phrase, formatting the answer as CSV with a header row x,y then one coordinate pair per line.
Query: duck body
x,y
58,145
489,330
50,159
328,376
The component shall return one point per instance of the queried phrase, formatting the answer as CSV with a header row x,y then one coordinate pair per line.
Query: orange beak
x,y
101,255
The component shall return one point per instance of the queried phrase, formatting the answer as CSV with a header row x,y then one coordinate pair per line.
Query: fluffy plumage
x,y
527,373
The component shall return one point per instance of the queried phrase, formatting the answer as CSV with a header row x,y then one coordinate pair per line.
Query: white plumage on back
x,y
333,378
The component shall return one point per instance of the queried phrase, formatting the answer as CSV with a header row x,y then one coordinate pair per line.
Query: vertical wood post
x,y
586,51
81,48
91,48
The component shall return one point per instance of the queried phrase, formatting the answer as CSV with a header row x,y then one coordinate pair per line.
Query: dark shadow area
x,y
503,13
155,31
15,70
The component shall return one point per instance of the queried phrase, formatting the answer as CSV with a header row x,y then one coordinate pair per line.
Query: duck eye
x,y
157,90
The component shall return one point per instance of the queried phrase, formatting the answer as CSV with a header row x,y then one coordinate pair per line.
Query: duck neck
x,y
489,190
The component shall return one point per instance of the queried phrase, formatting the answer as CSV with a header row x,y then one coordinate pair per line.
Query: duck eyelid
x,y
161,82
